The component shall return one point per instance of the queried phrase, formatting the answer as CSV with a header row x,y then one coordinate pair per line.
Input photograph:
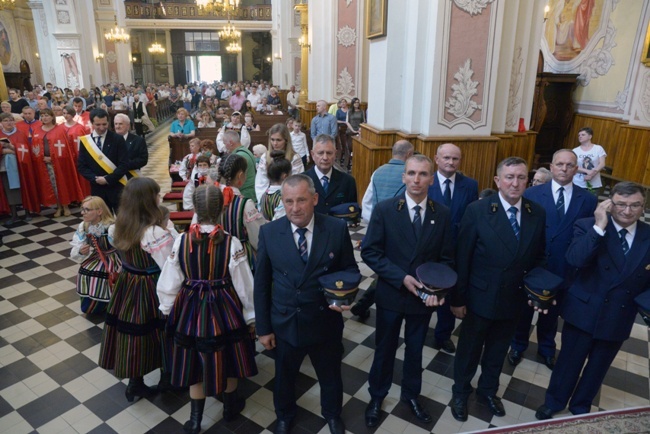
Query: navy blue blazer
x,y
288,298
138,153
601,299
491,263
465,192
559,232
114,147
391,249
342,189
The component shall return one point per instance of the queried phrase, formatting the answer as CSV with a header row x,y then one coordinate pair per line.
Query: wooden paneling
x,y
517,145
607,133
633,155
307,113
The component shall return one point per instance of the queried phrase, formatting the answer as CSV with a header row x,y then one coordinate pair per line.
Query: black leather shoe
x,y
417,410
548,361
372,413
336,425
447,346
544,413
514,357
360,311
495,405
459,408
282,426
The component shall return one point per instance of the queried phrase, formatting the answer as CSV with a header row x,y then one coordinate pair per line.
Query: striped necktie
x,y
560,202
626,247
302,244
513,220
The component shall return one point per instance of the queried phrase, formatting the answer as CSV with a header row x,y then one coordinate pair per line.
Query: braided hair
x,y
279,166
230,166
208,205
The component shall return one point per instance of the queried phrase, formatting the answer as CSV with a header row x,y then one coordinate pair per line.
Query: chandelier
x,y
7,4
229,32
115,35
217,5
233,48
156,48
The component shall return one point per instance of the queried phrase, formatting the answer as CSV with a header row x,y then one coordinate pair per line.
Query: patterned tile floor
x,y
50,381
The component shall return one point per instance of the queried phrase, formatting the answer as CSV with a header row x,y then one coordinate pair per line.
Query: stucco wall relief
x,y
460,103
473,7
346,36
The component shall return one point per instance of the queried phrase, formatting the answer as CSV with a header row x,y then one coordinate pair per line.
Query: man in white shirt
x,y
292,102
254,97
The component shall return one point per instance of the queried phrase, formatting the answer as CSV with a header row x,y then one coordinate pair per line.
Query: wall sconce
x,y
547,9
277,56
38,56
302,41
268,59
134,59
99,57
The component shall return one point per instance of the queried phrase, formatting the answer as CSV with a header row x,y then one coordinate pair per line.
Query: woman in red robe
x,y
54,160
19,145
75,130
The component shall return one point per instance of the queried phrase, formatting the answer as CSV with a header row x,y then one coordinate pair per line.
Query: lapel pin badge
x,y
331,255
433,222
494,206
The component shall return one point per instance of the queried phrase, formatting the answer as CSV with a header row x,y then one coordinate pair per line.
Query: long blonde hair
x,y
288,149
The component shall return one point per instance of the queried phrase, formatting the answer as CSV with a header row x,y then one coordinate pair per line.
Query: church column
x,y
305,50
168,57
50,64
322,19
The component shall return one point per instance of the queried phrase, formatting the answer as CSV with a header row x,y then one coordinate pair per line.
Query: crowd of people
x,y
270,230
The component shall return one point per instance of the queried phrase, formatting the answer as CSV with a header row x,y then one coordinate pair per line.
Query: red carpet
x,y
629,420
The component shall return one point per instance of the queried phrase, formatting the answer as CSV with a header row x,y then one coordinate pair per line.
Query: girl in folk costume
x,y
19,146
75,130
271,202
279,140
240,216
55,161
133,342
187,165
91,247
206,287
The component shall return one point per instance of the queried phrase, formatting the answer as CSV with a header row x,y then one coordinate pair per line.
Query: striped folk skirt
x,y
92,282
211,339
133,342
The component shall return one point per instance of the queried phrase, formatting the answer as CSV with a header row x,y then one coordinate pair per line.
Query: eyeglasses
x,y
84,210
624,206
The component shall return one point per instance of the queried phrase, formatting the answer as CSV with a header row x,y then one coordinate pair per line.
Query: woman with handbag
x,y
99,260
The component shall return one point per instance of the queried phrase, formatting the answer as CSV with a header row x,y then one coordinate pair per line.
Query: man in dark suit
x,y
103,160
564,203
291,313
333,186
612,255
404,232
136,145
455,191
501,238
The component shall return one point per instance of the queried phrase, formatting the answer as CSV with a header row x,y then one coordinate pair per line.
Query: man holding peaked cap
x,y
292,313
404,232
612,254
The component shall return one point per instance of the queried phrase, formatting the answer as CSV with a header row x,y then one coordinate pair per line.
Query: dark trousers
x,y
389,323
489,337
546,330
569,380
110,193
446,323
326,359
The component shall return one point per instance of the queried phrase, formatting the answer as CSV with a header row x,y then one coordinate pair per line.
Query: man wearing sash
x,y
103,160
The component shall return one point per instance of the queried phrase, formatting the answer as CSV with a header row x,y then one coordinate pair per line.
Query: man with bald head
x,y
136,145
323,122
456,191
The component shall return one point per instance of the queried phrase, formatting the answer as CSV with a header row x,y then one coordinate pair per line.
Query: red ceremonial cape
x,y
4,203
46,193
28,185
63,162
24,128
73,133
84,120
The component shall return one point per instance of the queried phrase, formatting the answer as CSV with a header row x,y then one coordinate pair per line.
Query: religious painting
x,y
376,14
9,48
571,25
5,45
